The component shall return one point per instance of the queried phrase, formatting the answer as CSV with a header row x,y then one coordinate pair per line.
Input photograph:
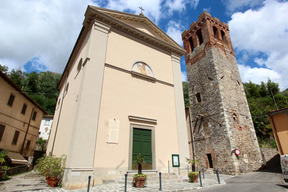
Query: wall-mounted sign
x,y
113,131
175,160
237,152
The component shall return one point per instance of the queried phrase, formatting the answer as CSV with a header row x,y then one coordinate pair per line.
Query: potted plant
x,y
3,154
139,179
193,177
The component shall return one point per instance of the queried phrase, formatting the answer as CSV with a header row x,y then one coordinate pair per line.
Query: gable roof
x,y
124,22
20,91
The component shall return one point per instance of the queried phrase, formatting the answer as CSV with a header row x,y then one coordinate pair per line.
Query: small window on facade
x,y
66,89
223,36
215,30
15,138
47,121
27,145
34,115
2,128
191,44
235,118
79,65
199,35
11,100
198,97
24,109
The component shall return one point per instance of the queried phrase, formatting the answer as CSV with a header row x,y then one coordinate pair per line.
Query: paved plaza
x,y
22,183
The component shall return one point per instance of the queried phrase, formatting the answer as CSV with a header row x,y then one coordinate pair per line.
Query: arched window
x,y
198,97
141,67
235,119
191,44
199,35
223,36
66,89
215,30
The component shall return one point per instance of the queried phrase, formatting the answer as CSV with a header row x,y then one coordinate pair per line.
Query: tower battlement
x,y
209,32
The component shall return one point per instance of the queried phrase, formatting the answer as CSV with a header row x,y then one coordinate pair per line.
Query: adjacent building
x,y
20,119
279,122
223,133
120,95
45,127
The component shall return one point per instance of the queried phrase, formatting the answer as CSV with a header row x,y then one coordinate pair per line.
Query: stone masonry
x,y
221,120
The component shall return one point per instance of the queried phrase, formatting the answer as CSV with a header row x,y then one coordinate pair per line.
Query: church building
x,y
120,95
223,135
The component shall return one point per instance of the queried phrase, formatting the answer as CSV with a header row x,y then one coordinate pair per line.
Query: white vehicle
x,y
284,167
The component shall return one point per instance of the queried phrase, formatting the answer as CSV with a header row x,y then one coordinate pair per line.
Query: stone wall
x,y
220,114
271,158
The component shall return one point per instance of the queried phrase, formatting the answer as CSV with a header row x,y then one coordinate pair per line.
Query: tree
x,y
17,76
186,93
4,69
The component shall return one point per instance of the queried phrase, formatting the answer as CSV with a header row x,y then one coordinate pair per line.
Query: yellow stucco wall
x,y
13,120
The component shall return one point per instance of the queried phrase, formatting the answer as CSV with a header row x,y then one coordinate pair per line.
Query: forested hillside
x,y
260,101
41,87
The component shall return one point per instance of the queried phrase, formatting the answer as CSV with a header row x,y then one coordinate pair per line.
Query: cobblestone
x,y
210,180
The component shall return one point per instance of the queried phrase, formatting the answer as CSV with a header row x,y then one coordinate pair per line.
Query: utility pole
x,y
273,98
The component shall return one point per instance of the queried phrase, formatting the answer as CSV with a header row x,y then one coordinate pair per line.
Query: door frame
x,y
152,128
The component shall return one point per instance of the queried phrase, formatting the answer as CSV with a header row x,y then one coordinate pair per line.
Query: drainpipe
x,y
192,140
59,114
27,130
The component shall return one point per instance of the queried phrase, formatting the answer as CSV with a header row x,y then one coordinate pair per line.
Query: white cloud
x,y
184,75
152,8
264,31
233,5
45,29
174,31
207,9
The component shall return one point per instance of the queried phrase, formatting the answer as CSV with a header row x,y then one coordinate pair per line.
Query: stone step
x,y
209,171
153,178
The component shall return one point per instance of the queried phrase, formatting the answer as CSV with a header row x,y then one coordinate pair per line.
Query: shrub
x,y
191,176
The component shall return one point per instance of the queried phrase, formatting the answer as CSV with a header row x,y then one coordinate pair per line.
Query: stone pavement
x,y
210,180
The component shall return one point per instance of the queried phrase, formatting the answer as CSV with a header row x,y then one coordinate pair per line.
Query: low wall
x,y
271,158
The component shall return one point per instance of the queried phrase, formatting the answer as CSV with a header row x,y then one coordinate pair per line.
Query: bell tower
x,y
221,120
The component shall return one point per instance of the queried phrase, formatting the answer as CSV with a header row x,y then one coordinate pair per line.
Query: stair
x,y
209,171
152,178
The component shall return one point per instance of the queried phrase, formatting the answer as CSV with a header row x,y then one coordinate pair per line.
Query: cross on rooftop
x,y
141,9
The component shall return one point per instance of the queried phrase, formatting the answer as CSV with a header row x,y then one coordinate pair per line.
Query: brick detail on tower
x,y
220,114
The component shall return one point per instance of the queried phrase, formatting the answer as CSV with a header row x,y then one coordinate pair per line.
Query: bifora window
x,y
191,44
199,35
198,97
235,119
11,100
215,30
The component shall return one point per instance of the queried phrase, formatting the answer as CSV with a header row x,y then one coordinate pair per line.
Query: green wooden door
x,y
142,144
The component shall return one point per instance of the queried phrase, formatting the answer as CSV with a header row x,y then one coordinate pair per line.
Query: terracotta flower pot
x,y
195,178
48,180
139,182
1,173
54,182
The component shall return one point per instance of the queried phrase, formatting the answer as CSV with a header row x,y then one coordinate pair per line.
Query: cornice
x,y
114,20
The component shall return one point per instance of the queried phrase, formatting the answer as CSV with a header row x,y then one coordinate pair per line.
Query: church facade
x,y
120,95
221,125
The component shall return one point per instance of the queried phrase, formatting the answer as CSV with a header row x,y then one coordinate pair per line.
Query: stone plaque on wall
x,y
113,132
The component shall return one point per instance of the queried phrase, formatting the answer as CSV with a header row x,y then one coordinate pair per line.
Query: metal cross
x,y
141,9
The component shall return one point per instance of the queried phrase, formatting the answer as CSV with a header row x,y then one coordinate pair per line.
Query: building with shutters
x,y
20,119
120,95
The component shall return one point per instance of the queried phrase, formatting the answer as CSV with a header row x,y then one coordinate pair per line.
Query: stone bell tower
x,y
221,120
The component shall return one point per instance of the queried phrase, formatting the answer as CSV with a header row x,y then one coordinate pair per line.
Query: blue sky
x,y
40,35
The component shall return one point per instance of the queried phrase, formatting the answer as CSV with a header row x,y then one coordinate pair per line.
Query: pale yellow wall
x,y
123,52
281,124
124,95
142,27
13,119
68,102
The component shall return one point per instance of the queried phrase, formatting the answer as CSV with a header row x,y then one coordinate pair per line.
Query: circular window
x,y
141,67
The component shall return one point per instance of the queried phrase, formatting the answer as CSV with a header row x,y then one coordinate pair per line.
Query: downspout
x,y
192,139
59,113
27,130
